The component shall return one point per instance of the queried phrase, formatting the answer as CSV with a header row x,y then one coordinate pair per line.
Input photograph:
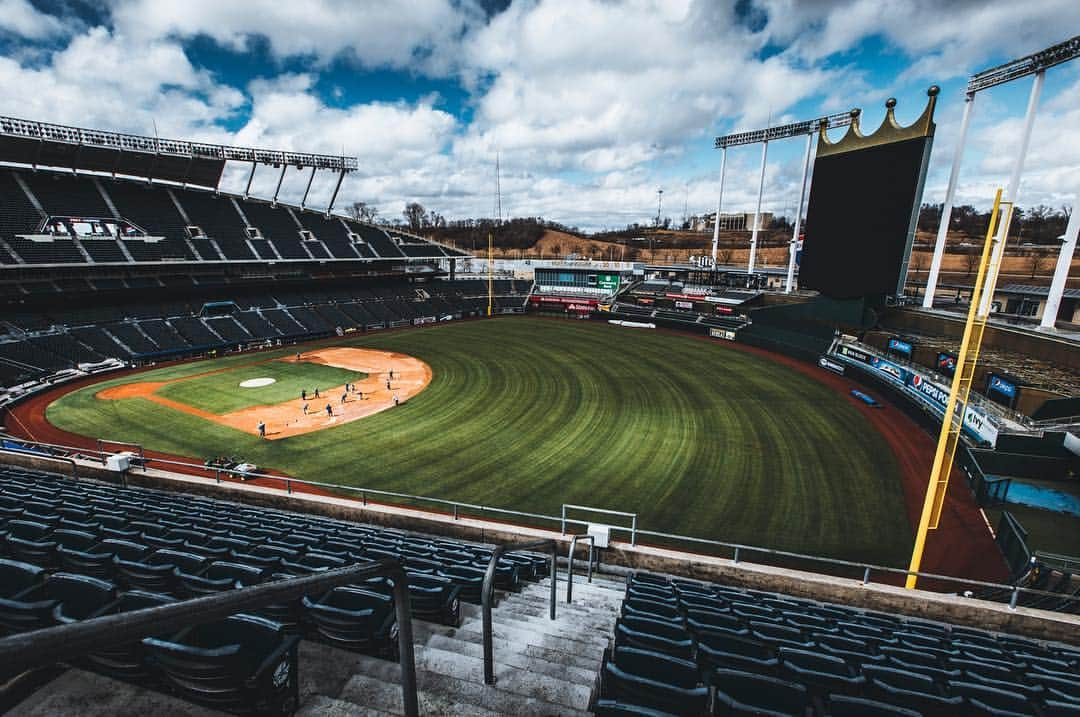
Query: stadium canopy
x,y
53,145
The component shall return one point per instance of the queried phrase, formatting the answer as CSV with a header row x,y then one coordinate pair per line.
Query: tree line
x,y
1038,225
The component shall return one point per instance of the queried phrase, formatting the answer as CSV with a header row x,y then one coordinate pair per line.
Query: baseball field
x,y
696,436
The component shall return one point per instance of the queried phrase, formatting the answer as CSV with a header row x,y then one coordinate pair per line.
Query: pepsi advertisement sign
x,y
946,363
901,347
1001,386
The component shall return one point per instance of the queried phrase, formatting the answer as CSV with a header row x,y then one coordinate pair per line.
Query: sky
x,y
590,105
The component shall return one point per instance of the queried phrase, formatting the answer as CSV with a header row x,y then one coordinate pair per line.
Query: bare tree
x,y
364,212
414,214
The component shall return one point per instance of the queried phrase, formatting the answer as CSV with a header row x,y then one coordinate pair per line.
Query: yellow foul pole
x,y
968,357
491,270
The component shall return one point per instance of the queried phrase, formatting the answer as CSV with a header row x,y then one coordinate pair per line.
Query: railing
x,y
40,648
570,563
488,590
1012,539
603,511
737,551
1064,563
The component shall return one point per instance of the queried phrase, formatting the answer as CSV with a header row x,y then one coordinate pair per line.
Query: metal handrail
x,y
738,548
570,563
488,589
39,648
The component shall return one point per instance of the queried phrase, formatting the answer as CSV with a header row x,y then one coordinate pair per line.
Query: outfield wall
x,y
1038,624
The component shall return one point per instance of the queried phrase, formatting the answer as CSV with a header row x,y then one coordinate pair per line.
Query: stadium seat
x,y
847,706
654,680
992,700
240,664
127,661
658,635
30,542
218,576
470,580
79,597
823,674
611,708
698,620
640,607
436,598
743,693
356,619
910,689
721,650
18,579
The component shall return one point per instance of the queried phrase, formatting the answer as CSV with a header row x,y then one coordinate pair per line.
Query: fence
x,y
1012,539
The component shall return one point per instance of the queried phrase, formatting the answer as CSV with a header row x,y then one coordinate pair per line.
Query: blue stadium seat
x,y
611,708
218,576
823,674
127,661
240,664
743,693
721,650
79,597
659,635
653,679
992,700
847,706
356,619
19,579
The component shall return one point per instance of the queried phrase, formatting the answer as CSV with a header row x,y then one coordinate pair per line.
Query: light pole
x,y
659,204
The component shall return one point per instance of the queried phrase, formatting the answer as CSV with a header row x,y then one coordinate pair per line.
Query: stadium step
x,y
542,667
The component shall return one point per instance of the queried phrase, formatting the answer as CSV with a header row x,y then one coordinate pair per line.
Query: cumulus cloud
x,y
22,19
591,104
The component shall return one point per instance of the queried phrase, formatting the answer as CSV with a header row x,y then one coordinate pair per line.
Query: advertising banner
x,y
728,334
684,304
900,346
831,365
946,363
922,388
608,282
853,353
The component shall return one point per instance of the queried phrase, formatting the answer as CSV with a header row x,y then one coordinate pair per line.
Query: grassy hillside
x,y
696,437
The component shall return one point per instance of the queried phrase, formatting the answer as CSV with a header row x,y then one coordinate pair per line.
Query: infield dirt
x,y
411,376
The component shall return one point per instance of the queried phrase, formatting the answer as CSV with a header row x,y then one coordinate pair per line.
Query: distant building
x,y
740,222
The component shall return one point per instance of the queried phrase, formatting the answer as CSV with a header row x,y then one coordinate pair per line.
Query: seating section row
x,y
174,224
693,648
73,550
37,344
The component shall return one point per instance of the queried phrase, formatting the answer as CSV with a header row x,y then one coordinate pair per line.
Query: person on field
x,y
395,399
329,410
343,397
316,392
303,394
262,429
387,384
297,355
359,395
305,409
391,374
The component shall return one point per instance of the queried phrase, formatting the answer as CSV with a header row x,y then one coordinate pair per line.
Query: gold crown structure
x,y
889,131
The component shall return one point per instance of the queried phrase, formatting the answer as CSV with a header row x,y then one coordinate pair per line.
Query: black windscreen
x,y
857,222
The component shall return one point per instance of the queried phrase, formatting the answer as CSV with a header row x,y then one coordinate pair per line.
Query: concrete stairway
x,y
542,667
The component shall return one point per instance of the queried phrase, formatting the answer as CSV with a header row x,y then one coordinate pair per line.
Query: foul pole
x,y
952,424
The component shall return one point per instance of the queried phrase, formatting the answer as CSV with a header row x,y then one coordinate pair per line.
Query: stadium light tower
x,y
659,204
1035,64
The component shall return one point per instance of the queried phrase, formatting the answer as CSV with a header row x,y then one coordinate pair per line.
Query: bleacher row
x,y
43,343
693,648
73,550
230,228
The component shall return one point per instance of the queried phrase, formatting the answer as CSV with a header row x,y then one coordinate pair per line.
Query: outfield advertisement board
x,y
728,334
921,387
830,364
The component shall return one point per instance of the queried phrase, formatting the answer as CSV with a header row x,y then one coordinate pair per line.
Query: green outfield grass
x,y
221,392
697,437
